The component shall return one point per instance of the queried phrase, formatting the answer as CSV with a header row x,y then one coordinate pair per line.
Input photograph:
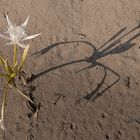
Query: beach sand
x,y
84,69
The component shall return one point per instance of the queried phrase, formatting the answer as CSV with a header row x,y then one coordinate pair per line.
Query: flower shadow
x,y
114,45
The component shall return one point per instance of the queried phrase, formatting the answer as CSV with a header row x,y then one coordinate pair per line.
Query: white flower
x,y
17,34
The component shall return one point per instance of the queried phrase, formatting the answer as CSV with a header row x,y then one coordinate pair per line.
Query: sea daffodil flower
x,y
17,34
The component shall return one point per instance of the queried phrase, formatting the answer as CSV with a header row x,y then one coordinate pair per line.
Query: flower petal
x,y
5,37
10,43
25,23
22,45
30,37
8,21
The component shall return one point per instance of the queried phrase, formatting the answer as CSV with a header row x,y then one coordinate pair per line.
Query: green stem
x,y
4,101
15,55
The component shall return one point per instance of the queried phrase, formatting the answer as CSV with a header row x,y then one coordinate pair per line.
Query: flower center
x,y
17,33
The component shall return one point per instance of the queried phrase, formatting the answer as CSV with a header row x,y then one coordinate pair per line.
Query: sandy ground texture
x,y
84,70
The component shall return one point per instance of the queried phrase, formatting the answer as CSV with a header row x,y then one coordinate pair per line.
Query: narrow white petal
x,y
10,43
2,124
22,45
30,37
8,21
25,23
5,37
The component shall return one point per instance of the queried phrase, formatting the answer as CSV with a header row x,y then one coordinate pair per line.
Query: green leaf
x,y
2,61
25,96
13,75
4,75
8,68
24,56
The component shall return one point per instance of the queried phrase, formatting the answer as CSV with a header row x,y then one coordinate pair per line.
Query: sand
x,y
83,71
